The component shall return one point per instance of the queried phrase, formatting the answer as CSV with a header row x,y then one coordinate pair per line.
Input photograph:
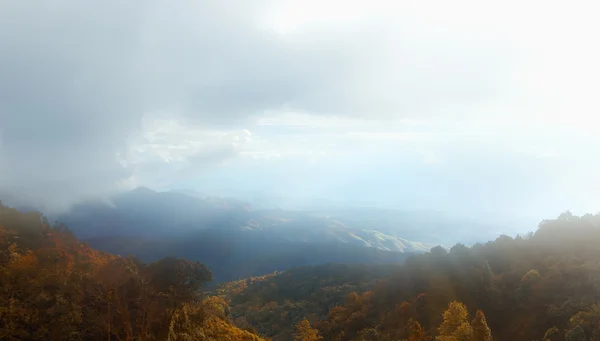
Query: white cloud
x,y
181,149
311,81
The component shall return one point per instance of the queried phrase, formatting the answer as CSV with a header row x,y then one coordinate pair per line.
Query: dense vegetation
x,y
232,257
272,303
544,286
53,287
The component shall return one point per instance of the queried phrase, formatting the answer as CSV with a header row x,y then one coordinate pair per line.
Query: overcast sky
x,y
464,106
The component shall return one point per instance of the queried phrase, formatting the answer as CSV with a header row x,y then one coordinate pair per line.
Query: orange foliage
x,y
53,287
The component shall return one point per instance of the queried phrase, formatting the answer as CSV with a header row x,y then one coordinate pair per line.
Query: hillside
x,y
144,212
53,287
272,303
227,235
235,258
543,286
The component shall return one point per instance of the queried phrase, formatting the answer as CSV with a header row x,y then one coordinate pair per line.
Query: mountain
x,y
54,287
189,192
149,214
272,304
543,286
226,234
431,227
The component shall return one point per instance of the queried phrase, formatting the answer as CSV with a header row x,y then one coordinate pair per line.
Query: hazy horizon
x,y
466,108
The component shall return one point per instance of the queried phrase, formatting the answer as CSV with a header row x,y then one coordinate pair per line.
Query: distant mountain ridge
x,y
157,214
227,234
236,240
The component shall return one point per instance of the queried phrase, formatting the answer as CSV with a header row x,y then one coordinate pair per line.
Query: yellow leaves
x,y
552,334
304,332
28,260
337,313
481,331
215,306
456,325
454,316
217,329
417,333
62,289
206,321
464,332
22,265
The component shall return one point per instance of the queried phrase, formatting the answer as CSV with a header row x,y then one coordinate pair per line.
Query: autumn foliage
x,y
543,286
53,287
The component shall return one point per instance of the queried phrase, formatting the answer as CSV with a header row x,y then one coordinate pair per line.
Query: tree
x,y
368,334
304,332
456,326
552,334
576,334
53,287
481,331
417,333
181,279
438,251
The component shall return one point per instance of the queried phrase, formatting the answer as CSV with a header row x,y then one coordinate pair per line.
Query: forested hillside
x,y
273,302
53,287
544,286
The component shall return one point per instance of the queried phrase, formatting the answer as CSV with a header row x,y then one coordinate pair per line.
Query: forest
x,y
53,287
542,286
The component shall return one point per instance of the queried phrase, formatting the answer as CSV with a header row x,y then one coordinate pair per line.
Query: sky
x,y
463,106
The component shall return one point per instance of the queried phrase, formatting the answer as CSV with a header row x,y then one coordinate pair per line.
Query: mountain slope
x,y
272,304
53,287
540,287
146,213
226,234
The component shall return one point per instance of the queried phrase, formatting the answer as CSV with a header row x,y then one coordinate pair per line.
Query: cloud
x,y
165,150
79,78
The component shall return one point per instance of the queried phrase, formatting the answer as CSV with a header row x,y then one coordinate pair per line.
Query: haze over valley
x,y
229,234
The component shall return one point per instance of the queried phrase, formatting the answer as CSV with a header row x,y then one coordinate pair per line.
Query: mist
x,y
475,112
